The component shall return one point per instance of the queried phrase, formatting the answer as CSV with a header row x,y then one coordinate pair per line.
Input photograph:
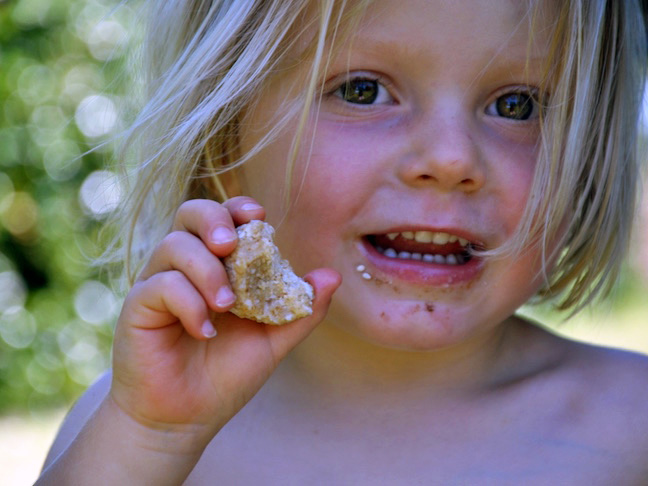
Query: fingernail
x,y
222,235
251,207
208,329
225,296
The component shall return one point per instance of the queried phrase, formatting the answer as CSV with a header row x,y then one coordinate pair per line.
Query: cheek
x,y
512,178
309,231
263,178
340,177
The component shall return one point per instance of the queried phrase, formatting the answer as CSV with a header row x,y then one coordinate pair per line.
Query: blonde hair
x,y
205,62
584,193
207,59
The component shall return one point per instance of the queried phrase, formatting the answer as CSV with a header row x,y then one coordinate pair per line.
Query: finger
x,y
164,299
325,282
209,221
244,209
186,253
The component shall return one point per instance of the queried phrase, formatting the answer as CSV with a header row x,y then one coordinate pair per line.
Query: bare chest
x,y
388,449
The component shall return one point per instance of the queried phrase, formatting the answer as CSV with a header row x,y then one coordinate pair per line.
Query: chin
x,y
412,326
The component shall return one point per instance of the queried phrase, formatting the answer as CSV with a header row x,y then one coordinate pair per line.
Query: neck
x,y
334,363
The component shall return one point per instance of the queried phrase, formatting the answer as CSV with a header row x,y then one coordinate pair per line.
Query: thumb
x,y
325,281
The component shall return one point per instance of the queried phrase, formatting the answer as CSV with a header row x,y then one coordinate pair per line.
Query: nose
x,y
443,153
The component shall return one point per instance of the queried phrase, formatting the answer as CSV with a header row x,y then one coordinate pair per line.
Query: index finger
x,y
244,209
214,223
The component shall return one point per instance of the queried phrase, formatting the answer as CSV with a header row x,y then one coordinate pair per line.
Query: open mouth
x,y
424,246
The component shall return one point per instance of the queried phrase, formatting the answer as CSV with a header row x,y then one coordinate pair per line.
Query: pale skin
x,y
418,374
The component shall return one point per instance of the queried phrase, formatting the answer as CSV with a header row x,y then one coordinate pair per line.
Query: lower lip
x,y
422,273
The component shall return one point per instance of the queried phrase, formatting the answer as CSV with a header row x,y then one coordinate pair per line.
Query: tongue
x,y
403,244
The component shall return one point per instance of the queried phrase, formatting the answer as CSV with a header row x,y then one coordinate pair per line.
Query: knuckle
x,y
189,209
169,279
173,240
190,205
218,212
184,209
133,294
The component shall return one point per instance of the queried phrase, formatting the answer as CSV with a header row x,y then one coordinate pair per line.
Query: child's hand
x,y
166,369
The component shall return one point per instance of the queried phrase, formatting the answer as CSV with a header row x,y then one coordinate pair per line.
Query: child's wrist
x,y
114,448
182,440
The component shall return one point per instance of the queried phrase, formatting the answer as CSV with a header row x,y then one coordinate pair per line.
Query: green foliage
x,y
58,102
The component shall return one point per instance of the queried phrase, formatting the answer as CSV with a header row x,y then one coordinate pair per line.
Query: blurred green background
x,y
62,94
60,97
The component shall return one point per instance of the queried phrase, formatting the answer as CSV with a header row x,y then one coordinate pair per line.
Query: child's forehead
x,y
390,23
483,32
444,15
477,39
460,19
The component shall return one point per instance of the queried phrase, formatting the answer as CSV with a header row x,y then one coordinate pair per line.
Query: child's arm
x,y
173,388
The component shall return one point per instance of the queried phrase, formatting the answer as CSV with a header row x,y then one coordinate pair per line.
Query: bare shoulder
x,y
590,402
609,389
78,416
616,374
600,374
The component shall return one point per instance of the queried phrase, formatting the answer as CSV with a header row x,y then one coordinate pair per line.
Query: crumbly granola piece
x,y
266,288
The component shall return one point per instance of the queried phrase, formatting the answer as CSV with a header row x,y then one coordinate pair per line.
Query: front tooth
x,y
439,259
409,235
441,238
424,236
451,260
416,256
427,257
452,238
405,255
392,236
390,252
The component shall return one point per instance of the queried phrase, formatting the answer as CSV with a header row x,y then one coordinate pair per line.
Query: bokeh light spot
x,y
106,40
47,380
62,160
37,84
81,81
96,116
100,193
14,291
17,327
19,213
95,303
47,124
6,186
30,13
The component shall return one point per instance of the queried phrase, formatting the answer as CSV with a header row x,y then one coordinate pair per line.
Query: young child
x,y
431,166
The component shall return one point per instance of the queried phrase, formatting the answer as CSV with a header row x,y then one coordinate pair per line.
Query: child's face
x,y
428,127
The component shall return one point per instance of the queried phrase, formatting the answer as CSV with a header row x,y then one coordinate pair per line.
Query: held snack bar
x,y
266,288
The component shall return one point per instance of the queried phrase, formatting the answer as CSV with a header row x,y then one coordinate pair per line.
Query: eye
x,y
363,91
517,105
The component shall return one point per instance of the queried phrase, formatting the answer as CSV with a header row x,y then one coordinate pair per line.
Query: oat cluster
x,y
267,290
